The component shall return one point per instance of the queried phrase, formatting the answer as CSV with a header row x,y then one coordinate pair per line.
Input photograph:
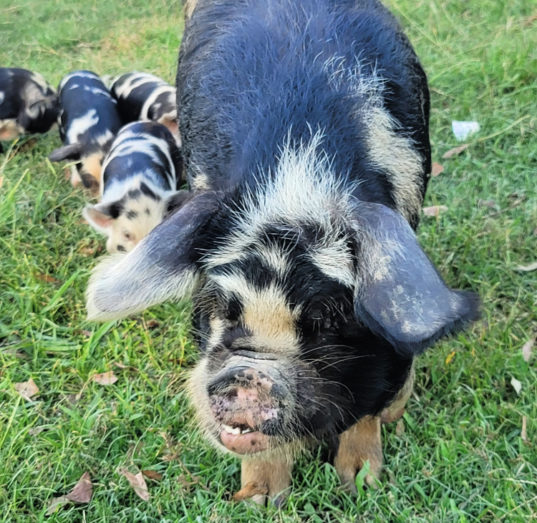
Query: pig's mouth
x,y
243,439
243,433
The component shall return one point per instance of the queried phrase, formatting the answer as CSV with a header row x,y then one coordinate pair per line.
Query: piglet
x,y
143,96
139,186
28,104
89,121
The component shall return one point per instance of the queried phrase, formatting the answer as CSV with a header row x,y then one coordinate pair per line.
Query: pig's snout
x,y
246,402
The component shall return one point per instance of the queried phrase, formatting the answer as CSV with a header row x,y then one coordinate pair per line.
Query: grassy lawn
x,y
458,454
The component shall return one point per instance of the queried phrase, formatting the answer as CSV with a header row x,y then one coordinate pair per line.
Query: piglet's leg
x,y
357,445
265,479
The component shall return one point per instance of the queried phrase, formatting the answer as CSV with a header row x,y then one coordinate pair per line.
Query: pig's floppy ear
x,y
163,266
399,294
67,152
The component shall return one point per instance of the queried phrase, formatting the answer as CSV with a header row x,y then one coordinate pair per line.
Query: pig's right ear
x,y
67,152
163,266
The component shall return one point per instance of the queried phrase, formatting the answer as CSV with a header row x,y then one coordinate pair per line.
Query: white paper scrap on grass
x,y
463,130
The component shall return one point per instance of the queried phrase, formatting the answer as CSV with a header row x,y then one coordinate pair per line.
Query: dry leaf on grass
x,y
46,278
434,210
529,20
152,324
524,430
106,378
137,482
82,491
455,151
526,349
527,268
89,251
249,491
437,169
36,430
55,504
400,428
27,389
152,474
491,204
516,385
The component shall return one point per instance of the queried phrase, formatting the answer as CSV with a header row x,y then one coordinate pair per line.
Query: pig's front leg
x,y
357,445
270,475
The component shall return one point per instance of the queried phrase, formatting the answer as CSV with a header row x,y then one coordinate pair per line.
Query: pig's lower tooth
x,y
245,431
231,430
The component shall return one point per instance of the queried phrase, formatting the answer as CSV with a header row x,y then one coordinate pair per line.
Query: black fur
x,y
27,100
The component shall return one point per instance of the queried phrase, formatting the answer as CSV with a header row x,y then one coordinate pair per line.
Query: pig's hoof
x,y
265,481
358,445
347,477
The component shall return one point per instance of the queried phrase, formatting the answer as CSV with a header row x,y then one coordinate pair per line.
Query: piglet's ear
x,y
67,152
163,266
399,294
100,216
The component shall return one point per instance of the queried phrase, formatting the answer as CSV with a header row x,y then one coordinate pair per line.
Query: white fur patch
x,y
40,81
335,260
394,154
135,80
389,150
200,182
77,74
304,189
80,125
171,91
274,257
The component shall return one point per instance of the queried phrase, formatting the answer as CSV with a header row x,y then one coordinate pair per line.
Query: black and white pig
x,y
139,185
144,96
89,121
28,104
305,137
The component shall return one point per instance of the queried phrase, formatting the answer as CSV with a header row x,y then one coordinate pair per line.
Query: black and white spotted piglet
x,y
28,104
89,121
143,96
141,175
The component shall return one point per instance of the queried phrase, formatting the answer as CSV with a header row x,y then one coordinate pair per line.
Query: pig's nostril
x,y
227,378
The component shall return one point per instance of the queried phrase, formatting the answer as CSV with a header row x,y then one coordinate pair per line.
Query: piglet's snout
x,y
245,399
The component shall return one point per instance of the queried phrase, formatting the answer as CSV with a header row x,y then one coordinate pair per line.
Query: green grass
x,y
460,457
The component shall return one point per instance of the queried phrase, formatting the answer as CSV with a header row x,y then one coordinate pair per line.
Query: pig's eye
x,y
319,317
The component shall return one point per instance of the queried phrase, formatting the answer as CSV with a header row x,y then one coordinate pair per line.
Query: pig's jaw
x,y
243,441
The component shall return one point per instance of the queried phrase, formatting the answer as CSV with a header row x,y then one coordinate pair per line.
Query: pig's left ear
x,y
399,294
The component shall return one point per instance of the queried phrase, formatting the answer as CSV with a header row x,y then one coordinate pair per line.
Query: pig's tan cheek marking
x,y
274,475
92,165
357,445
10,129
397,407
